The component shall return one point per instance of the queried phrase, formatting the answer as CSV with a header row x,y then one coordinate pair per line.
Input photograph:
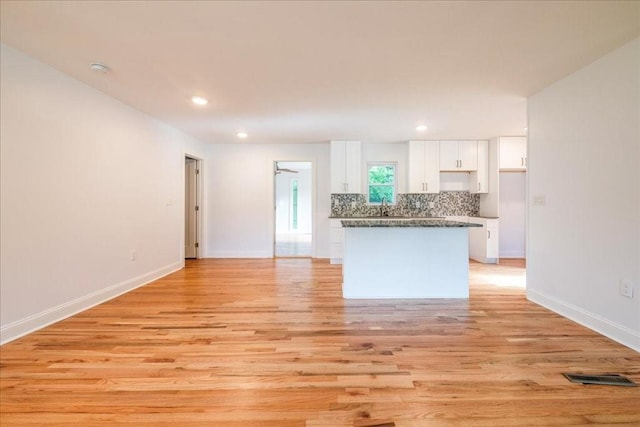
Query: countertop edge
x,y
406,223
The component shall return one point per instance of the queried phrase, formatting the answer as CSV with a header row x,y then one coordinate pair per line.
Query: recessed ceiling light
x,y
100,68
198,100
242,135
421,128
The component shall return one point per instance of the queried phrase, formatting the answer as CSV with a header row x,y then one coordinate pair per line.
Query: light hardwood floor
x,y
272,343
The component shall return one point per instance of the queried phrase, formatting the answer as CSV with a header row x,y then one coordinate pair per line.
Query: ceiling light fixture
x,y
242,135
421,128
100,68
198,100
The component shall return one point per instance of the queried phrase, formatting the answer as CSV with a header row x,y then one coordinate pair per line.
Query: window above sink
x,y
381,183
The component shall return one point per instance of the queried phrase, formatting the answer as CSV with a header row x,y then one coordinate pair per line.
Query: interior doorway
x,y
293,185
512,208
191,207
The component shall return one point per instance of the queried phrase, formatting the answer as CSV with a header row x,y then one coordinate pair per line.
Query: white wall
x,y
512,210
240,210
84,180
584,157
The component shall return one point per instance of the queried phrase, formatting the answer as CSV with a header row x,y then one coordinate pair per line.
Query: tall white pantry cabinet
x,y
346,167
424,167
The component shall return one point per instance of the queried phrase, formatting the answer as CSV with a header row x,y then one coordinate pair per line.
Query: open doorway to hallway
x,y
512,205
293,209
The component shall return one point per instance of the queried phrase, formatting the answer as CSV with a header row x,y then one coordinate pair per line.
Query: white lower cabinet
x,y
336,248
483,241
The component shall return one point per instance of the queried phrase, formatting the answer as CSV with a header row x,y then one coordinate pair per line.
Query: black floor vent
x,y
605,379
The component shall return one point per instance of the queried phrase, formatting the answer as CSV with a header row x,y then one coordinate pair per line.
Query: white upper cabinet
x,y
449,155
458,156
424,167
346,159
513,153
479,180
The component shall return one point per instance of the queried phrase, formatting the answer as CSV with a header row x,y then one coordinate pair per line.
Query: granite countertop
x,y
365,217
405,223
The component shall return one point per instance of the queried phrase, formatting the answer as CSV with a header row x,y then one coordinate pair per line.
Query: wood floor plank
x,y
272,343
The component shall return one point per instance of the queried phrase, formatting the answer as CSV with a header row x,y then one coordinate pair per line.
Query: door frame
x,y
314,222
199,202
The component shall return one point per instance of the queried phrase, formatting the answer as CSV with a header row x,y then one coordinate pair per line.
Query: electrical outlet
x,y
353,205
539,200
133,255
432,205
626,288
418,204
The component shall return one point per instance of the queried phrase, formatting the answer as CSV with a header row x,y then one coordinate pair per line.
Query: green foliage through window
x,y
382,183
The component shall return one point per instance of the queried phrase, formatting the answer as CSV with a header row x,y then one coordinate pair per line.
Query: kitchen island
x,y
406,258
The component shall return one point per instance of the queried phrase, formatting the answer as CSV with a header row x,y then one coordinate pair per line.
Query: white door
x,y
191,208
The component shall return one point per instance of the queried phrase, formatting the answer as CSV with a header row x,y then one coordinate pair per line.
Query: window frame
x,y
394,165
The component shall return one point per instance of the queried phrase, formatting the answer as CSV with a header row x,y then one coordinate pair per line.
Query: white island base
x,y
398,262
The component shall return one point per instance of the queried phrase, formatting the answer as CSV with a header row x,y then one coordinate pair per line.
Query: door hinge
x,y
197,245
197,208
197,171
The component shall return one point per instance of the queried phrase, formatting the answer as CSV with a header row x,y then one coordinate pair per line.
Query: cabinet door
x,y
513,153
477,242
338,162
432,166
468,155
345,167
353,166
416,166
449,160
336,248
492,240
479,180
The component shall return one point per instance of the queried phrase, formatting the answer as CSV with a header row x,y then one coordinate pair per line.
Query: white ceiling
x,y
313,71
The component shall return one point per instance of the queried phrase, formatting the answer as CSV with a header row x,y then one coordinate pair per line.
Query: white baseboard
x,y
239,254
513,255
22,327
609,329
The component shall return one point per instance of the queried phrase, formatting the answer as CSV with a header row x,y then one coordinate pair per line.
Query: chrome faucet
x,y
383,206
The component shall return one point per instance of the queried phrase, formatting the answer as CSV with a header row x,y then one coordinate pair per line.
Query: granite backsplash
x,y
451,203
